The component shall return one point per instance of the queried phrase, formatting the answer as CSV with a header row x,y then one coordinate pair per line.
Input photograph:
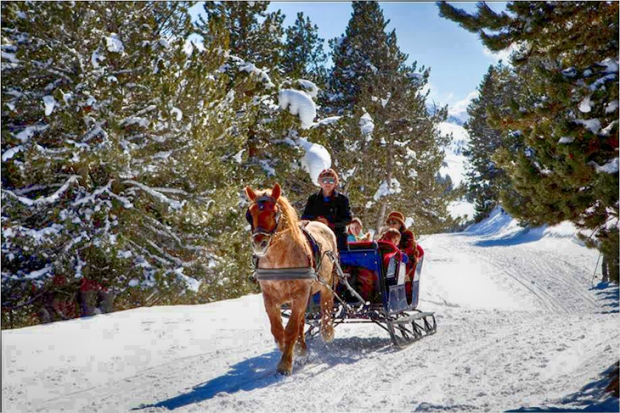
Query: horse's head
x,y
263,214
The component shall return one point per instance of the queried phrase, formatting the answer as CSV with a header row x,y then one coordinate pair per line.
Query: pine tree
x,y
304,57
388,147
486,178
253,34
563,126
115,147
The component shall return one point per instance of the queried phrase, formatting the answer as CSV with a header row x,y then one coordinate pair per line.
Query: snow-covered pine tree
x,y
107,126
303,56
567,165
254,35
486,178
271,132
388,146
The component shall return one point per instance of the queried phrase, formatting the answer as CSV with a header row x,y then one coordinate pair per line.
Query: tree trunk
x,y
384,204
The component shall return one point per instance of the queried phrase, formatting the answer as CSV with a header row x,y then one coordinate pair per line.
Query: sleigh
x,y
374,288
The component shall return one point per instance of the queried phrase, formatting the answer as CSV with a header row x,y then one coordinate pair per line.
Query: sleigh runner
x,y
374,288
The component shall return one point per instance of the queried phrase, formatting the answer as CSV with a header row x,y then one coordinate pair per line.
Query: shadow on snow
x,y
522,237
260,371
591,398
608,294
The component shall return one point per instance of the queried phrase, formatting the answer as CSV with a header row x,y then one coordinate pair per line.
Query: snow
x,y
9,153
520,327
238,156
454,161
114,43
611,65
156,194
386,190
566,139
610,167
586,105
29,131
49,103
593,125
367,126
192,283
177,113
611,107
298,103
45,200
251,68
309,87
327,121
463,209
315,160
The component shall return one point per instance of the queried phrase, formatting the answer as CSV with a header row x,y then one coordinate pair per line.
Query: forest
x,y
129,132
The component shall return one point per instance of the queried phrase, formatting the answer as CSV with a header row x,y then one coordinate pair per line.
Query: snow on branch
x,y
44,200
106,189
315,160
309,87
34,274
327,121
298,103
250,68
158,195
367,126
191,283
610,167
9,153
29,132
385,189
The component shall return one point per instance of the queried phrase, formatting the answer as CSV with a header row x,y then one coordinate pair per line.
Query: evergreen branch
x,y
44,200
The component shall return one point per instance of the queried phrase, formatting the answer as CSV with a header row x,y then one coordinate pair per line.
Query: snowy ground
x,y
519,328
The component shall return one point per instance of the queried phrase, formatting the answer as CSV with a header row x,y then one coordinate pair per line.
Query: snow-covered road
x,y
518,326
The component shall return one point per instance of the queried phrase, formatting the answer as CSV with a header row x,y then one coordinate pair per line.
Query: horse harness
x,y
293,273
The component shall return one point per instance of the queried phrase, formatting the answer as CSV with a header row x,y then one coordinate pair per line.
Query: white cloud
x,y
503,55
459,109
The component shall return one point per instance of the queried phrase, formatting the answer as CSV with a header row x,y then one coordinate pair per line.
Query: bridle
x,y
261,202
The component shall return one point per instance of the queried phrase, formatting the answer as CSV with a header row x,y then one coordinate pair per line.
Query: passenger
x,y
407,242
355,231
330,207
391,235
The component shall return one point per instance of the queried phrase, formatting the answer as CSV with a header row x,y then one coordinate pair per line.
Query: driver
x,y
330,207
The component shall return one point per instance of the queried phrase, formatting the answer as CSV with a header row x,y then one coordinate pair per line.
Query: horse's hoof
x,y
327,334
285,371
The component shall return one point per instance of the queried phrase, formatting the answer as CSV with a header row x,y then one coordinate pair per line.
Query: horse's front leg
x,y
302,349
327,307
275,319
291,334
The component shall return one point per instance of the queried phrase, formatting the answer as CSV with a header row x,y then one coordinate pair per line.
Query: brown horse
x,y
279,243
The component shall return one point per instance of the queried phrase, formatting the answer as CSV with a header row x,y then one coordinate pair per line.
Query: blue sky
x,y
457,59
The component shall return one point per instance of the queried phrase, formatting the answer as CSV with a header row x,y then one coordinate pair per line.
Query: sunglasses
x,y
392,222
328,180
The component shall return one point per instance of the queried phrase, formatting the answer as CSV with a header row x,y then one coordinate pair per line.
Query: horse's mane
x,y
289,219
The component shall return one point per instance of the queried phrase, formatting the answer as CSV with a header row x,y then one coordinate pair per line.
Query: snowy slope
x,y
454,166
518,326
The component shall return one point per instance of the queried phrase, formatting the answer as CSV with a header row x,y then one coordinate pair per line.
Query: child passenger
x,y
391,235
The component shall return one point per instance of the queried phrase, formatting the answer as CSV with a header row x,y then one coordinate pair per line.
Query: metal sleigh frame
x,y
392,309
